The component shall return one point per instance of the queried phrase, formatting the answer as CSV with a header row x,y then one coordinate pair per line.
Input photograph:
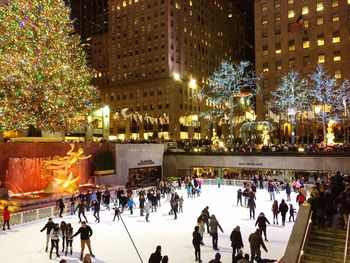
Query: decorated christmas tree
x,y
44,78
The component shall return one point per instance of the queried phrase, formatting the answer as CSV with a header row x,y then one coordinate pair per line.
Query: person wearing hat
x,y
216,259
236,241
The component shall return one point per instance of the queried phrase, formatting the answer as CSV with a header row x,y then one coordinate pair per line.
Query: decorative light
x,y
176,76
193,83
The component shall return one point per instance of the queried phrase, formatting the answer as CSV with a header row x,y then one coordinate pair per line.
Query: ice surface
x,y
110,241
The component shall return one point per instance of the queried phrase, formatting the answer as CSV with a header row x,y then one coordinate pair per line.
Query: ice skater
x,y
116,213
251,206
236,241
147,210
60,204
6,218
283,209
181,202
69,239
292,212
213,228
261,222
96,206
85,232
239,196
63,227
196,242
81,210
131,205
48,226
275,212
55,235
205,215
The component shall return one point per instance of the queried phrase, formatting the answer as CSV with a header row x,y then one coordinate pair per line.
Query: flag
x,y
296,26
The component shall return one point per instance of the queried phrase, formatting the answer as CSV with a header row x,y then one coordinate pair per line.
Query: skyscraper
x,y
298,35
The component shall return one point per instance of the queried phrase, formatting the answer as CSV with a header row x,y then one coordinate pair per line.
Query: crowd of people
x,y
329,200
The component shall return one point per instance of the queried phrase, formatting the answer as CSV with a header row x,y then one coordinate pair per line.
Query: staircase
x,y
325,245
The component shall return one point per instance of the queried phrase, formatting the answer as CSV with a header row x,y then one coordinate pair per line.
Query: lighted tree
x,y
44,78
291,97
229,83
325,96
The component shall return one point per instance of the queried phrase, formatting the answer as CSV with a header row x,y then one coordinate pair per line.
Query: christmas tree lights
x,y
44,79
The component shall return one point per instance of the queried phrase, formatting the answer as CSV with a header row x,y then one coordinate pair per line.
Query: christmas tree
x,y
44,78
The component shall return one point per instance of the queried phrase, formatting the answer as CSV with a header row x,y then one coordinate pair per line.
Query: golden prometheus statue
x,y
62,177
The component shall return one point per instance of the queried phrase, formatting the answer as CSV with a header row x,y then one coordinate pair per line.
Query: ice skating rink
x,y
110,241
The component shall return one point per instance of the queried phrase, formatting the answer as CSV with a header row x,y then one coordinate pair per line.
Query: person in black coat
x,y
60,204
196,241
283,208
85,232
261,222
48,226
251,206
96,206
236,241
156,257
205,215
239,196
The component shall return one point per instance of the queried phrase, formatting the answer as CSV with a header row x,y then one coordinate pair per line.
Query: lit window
x,y
319,20
348,1
190,2
320,40
335,17
264,20
306,43
265,67
336,37
321,58
337,73
278,48
265,51
278,65
335,3
336,56
291,13
306,23
304,10
291,45
177,5
277,3
290,2
319,7
277,17
264,7
124,3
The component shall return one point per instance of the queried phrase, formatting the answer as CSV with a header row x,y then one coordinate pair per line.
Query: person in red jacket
x,y
6,217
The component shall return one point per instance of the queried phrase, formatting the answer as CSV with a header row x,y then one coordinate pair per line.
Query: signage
x,y
250,164
145,162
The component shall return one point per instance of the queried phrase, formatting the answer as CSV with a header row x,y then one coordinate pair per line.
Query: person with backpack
x,y
283,209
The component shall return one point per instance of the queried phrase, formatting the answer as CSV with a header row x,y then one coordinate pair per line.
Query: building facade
x,y
154,57
294,34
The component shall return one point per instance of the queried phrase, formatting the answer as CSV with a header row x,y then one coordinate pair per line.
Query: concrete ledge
x,y
296,238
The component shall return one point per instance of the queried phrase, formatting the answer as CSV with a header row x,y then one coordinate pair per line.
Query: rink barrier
x,y
239,183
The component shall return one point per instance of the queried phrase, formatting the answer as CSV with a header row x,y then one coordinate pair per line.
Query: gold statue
x,y
61,176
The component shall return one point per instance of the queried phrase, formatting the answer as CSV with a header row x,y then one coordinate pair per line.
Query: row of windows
x,y
305,44
321,58
319,5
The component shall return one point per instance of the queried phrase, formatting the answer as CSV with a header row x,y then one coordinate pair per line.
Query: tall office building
x,y
160,55
295,34
152,57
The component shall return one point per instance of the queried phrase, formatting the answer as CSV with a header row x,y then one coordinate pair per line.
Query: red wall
x,y
31,180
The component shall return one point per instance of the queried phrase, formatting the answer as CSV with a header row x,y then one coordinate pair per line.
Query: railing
x,y
239,182
347,240
34,214
306,236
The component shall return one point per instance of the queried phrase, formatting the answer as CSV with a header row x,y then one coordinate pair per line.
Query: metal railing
x,y
306,236
347,240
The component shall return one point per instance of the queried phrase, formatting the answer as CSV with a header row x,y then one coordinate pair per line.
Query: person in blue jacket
x,y
131,205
